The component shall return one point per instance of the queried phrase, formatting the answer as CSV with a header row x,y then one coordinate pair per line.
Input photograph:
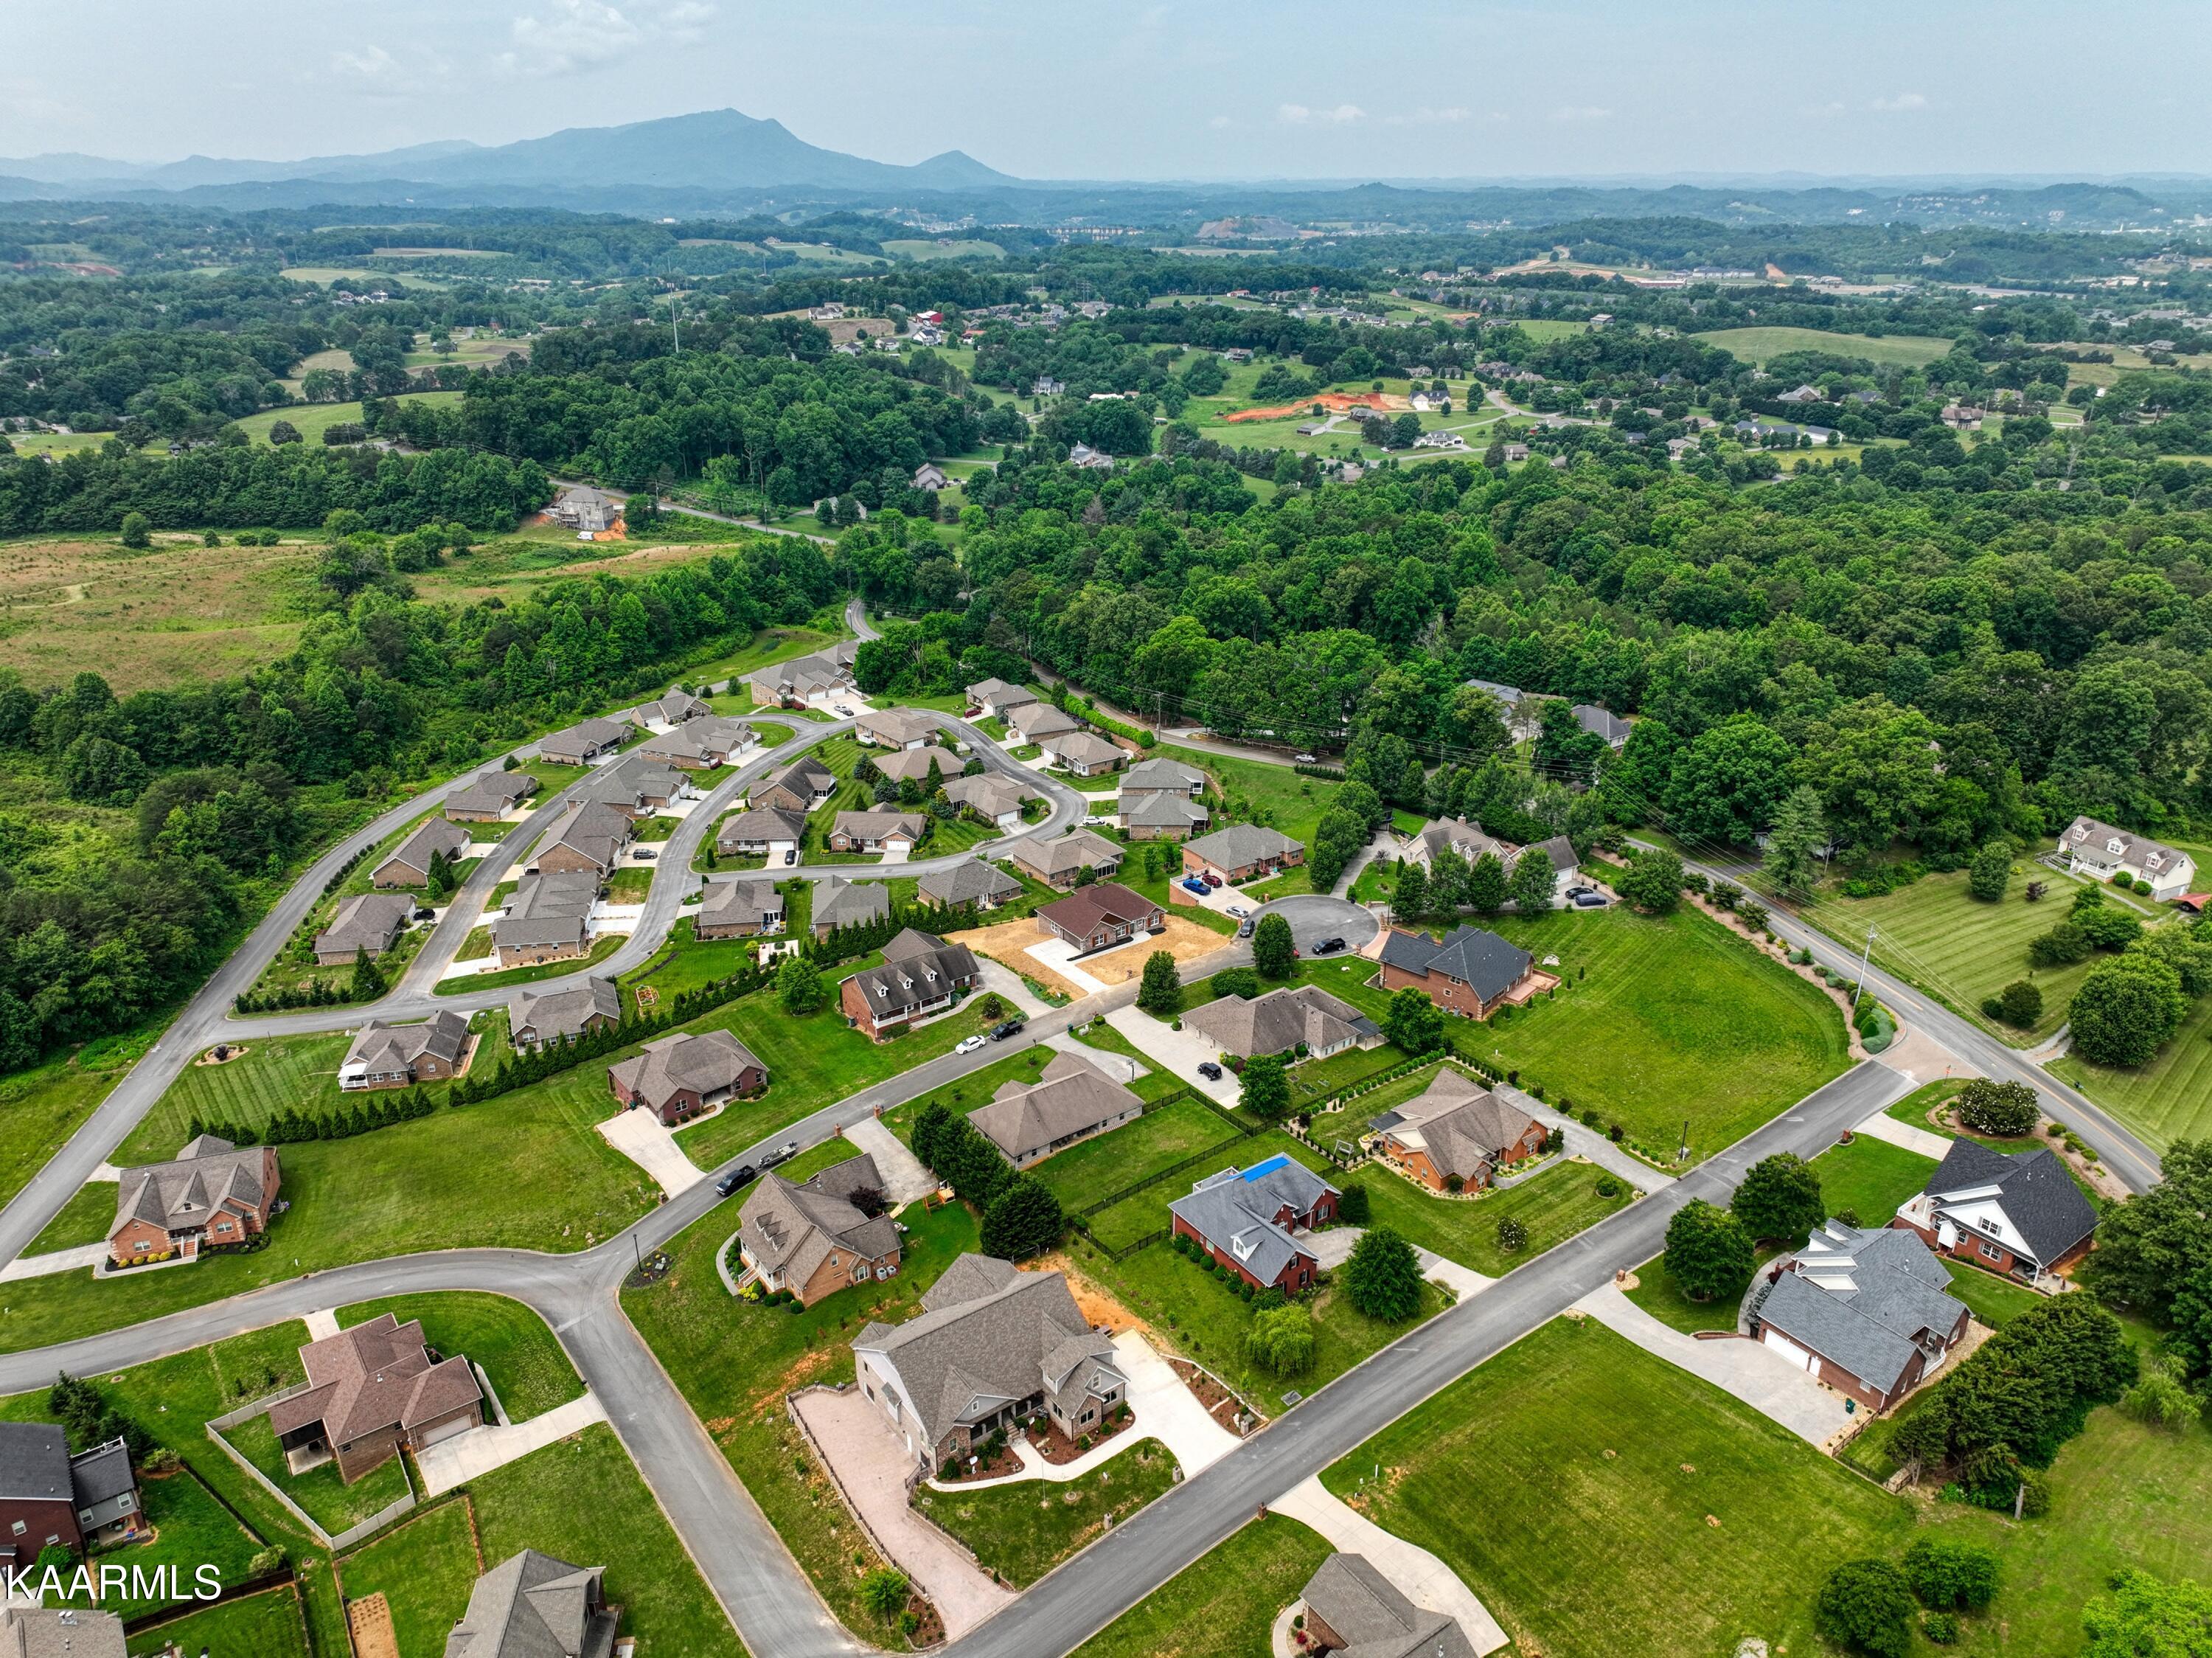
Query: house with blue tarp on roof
x,y
1251,1220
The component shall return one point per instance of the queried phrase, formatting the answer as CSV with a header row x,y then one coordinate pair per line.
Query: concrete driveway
x,y
1762,1379
1413,1570
639,1137
1177,1053
870,1463
1333,1248
905,1180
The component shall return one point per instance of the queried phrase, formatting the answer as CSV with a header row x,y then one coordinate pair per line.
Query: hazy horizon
x,y
1600,91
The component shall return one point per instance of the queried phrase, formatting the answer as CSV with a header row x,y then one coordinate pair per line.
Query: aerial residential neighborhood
x,y
1238,858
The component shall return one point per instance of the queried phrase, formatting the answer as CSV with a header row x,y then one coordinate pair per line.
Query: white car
x,y
1305,759
969,1044
1237,911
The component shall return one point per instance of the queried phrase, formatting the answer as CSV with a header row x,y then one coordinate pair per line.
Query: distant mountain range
x,y
715,151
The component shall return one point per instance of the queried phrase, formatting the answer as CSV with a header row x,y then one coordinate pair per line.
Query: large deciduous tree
x,y
1709,1254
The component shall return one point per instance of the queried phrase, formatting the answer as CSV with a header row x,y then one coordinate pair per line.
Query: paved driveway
x,y
904,1178
1333,1248
1413,1570
1314,917
1762,1379
639,1137
871,1462
1177,1053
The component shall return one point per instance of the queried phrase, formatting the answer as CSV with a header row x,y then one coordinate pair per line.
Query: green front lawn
x,y
1870,1178
424,1567
330,1502
601,949
629,885
267,1625
1223,1605
86,1218
524,1170
274,1073
504,1339
1657,1294
1553,1206
1568,1481
1289,884
1253,791
683,964
2169,1099
1154,1084
1677,1017
1020,1532
191,1529
41,1107
734,1363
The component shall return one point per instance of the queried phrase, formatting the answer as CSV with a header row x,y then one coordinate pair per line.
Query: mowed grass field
x,y
313,420
1677,1018
1758,344
1224,1605
1937,935
1553,1479
2169,1099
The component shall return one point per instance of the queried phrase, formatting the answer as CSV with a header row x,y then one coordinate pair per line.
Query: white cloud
x,y
570,35
1219,122
1427,117
1830,109
1300,115
1581,112
1904,100
374,72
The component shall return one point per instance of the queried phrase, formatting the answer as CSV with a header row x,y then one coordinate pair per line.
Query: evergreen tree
x,y
1382,1278
1161,992
367,978
1794,844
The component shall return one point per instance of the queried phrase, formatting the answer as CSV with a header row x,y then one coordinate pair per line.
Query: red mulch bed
x,y
1056,1446
1220,1404
932,1630
1004,1463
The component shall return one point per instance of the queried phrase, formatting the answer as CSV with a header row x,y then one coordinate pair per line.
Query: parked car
x,y
1328,947
1306,759
743,1174
783,1153
1238,910
1012,1028
844,713
646,854
1210,878
1244,928
969,1044
791,857
1590,901
1209,1070
1192,884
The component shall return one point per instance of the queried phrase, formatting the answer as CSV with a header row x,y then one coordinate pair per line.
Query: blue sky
x,y
1048,88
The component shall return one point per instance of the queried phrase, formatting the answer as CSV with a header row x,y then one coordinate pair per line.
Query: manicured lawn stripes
x,y
1225,1603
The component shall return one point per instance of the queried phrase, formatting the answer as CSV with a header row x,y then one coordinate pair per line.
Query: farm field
x,y
1568,1479
1223,1605
1942,938
326,274
1677,1017
313,420
1758,345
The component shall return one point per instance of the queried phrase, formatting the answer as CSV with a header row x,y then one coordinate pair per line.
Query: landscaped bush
x,y
1867,1605
2019,1004
1951,1576
1353,1204
2000,1108
1607,1186
2064,945
1941,1628
1383,1277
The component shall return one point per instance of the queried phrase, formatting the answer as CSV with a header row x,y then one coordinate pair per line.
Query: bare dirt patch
x,y
1008,944
369,1619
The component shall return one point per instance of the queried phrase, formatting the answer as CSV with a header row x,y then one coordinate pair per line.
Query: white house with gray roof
x,y
993,1346
2017,1212
2091,848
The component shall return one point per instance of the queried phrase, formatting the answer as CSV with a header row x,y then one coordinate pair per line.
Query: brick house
x,y
1457,1135
2012,1212
1061,861
876,831
48,1496
1468,970
848,904
1084,753
1282,1021
547,919
764,832
537,1017
589,838
1161,815
1242,851
971,880
818,1237
1249,1219
367,921
531,1604
799,787
992,696
679,1077
1350,1604
894,727
992,1347
735,907
920,975
491,797
212,1194
701,745
399,1056
371,1390
410,865
1864,1310
1101,916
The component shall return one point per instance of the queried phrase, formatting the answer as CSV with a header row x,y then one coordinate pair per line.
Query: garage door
x,y
1789,1349
447,1429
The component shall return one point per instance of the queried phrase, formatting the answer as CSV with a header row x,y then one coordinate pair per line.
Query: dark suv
x,y
743,1174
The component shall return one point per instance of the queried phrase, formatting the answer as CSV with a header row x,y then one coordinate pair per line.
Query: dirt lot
x,y
1008,944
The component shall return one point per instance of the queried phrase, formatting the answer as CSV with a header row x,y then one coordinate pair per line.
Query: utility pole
x,y
1866,957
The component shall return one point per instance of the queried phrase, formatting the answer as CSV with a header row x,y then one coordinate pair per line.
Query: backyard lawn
x,y
504,1339
683,964
602,948
273,1073
1938,936
1023,1530
1086,1173
1252,792
266,1625
1870,1178
1553,1206
330,1502
424,1567
734,1363
1223,1605
1676,1018
1569,1482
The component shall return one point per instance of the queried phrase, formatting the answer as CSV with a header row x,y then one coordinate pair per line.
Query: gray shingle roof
x,y
1235,1211
1161,809
1461,1124
495,791
531,1606
547,910
1076,850
730,900
1157,773
1083,748
593,830
370,921
551,1016
436,837
916,969
850,903
702,1064
2034,1188
1559,850
1072,1096
1599,723
383,1049
1278,1021
585,737
879,825
790,1229
1034,721
209,1176
897,725
34,1463
989,793
1863,1297
768,824
969,882
1374,1618
1242,844
1481,960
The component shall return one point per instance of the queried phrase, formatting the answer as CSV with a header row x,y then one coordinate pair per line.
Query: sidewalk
x,y
1417,1574
59,1260
1926,1142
